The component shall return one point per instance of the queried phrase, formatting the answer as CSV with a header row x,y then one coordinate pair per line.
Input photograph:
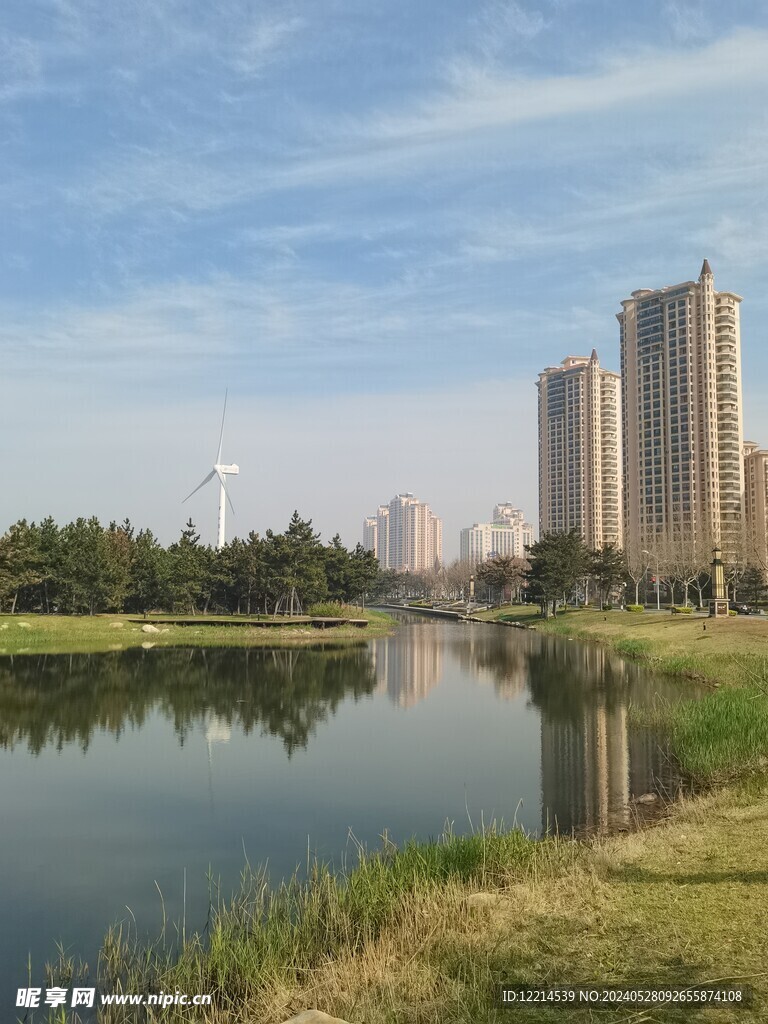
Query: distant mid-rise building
x,y
508,535
408,536
507,514
682,416
756,503
370,533
579,451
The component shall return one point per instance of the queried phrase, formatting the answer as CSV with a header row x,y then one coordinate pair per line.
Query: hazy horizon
x,y
374,226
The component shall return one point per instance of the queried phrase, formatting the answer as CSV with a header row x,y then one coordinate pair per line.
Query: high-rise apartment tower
x,y
756,504
408,537
579,451
682,418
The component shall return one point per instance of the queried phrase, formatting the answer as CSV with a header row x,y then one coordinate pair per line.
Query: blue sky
x,y
374,223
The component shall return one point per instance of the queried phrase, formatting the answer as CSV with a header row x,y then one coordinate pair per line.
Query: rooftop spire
x,y
705,269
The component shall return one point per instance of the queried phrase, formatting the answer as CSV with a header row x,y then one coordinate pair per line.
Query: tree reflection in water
x,y
63,699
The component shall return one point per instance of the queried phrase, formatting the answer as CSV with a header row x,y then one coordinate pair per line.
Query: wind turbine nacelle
x,y
232,470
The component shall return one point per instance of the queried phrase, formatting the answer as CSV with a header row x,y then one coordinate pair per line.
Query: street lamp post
x,y
658,598
718,604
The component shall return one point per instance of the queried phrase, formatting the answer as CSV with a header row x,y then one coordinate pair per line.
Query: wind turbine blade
x,y
221,435
224,485
210,476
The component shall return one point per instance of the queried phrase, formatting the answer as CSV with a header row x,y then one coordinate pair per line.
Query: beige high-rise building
x,y
682,418
370,533
580,451
756,504
408,536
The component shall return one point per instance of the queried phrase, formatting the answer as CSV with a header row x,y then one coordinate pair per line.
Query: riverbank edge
x,y
717,739
738,646
101,634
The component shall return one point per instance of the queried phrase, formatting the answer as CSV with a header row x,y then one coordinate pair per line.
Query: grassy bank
x,y
69,634
715,740
731,650
428,934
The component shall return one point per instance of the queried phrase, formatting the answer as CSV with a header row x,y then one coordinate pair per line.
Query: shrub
x,y
639,649
686,610
333,610
732,612
635,608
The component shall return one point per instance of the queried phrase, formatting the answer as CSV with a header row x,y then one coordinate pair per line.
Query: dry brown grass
x,y
679,903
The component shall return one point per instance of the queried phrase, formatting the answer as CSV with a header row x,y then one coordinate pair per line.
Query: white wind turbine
x,y
220,470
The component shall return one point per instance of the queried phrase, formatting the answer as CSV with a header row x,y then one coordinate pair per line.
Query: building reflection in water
x,y
407,673
501,665
593,760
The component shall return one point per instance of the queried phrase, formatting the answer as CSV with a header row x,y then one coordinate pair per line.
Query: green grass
x,y
640,650
722,736
70,634
730,651
269,938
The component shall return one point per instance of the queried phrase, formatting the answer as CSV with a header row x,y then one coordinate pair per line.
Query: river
x,y
135,773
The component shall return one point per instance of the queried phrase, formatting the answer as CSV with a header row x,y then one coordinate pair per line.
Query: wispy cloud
x,y
504,24
263,42
484,100
20,67
440,129
688,22
300,331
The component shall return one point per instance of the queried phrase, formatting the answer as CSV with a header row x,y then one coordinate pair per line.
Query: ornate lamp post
x,y
718,603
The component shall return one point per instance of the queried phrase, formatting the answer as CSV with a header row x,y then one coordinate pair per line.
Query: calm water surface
x,y
124,772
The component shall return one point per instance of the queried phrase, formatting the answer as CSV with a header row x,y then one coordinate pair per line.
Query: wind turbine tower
x,y
221,471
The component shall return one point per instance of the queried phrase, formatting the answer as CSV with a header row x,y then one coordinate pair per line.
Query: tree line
x,y
84,567
560,566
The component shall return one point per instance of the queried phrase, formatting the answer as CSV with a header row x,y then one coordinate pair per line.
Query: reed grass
x,y
722,736
266,939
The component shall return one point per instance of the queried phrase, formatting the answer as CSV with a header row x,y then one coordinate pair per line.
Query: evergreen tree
x,y
187,569
119,546
338,570
48,539
149,582
363,573
607,569
558,562
298,565
19,563
501,572
753,584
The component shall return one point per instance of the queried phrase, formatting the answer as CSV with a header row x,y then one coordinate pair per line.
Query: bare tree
x,y
636,564
736,556
456,578
683,557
